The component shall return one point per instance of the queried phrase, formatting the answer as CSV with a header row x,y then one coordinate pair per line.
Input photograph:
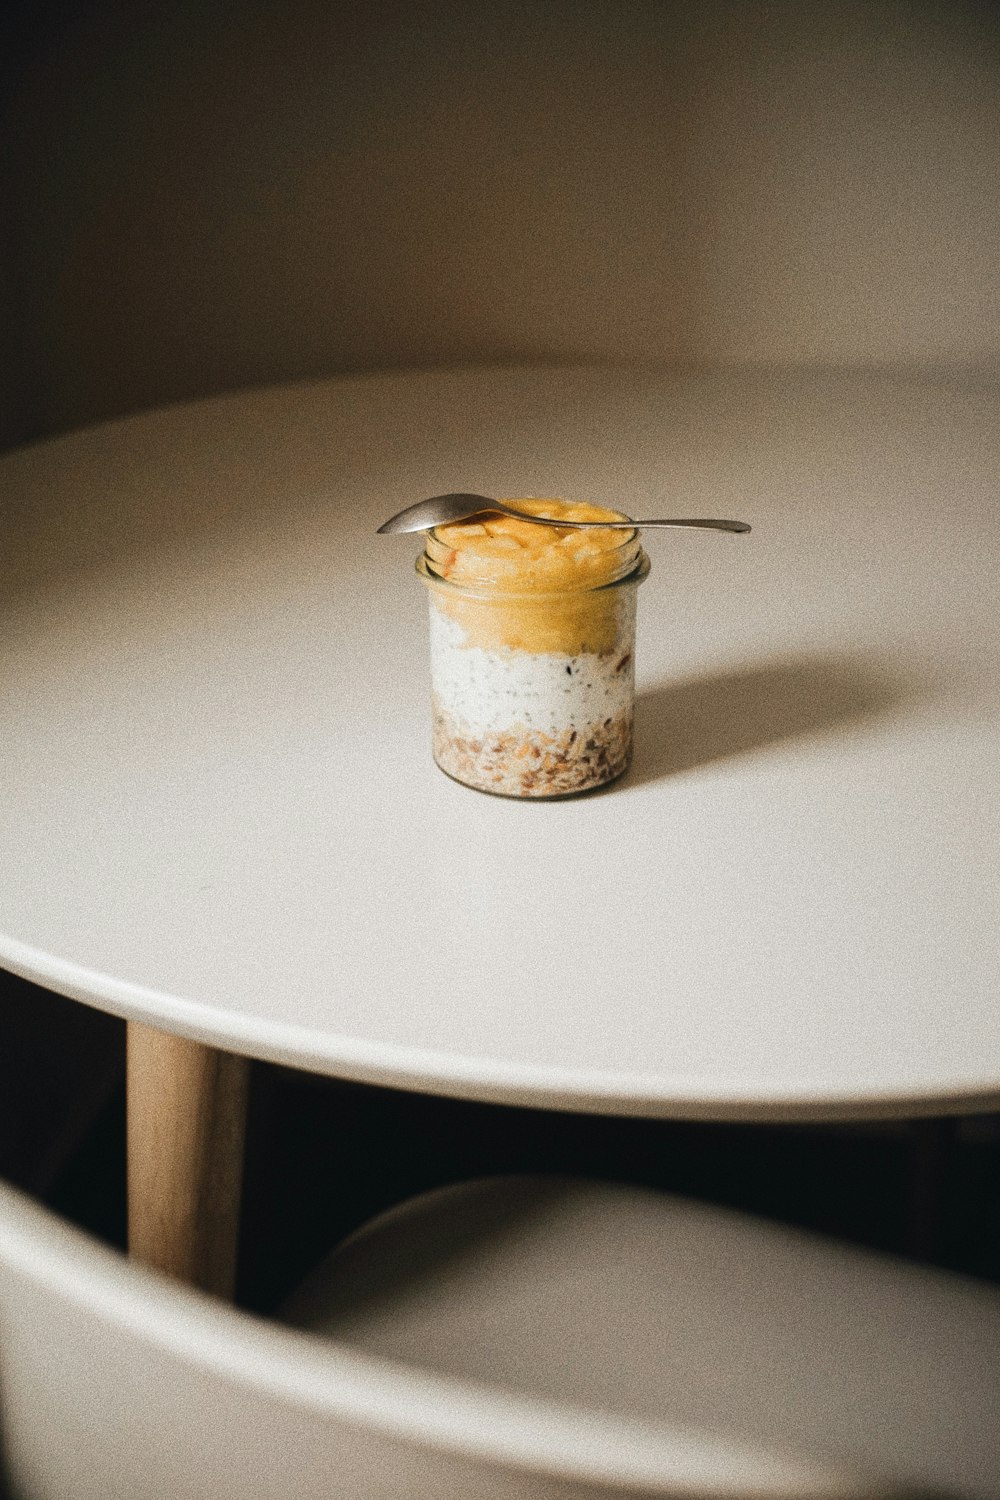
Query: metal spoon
x,y
443,510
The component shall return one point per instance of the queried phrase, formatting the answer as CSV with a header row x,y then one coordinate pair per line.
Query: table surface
x,y
220,814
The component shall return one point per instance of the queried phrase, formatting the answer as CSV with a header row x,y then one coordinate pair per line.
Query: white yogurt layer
x,y
488,691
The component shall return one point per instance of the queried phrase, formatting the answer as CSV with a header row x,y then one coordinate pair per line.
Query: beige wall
x,y
215,195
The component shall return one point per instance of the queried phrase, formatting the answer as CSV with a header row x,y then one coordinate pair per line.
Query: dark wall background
x,y
200,195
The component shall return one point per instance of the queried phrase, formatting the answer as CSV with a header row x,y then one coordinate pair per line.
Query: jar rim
x,y
482,590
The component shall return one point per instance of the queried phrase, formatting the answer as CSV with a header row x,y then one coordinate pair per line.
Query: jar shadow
x,y
700,720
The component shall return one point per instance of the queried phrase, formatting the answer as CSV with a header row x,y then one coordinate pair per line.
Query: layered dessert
x,y
532,648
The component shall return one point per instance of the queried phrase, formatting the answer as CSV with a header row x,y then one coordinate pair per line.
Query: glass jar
x,y
532,637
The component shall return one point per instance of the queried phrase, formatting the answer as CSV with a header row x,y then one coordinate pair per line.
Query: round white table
x,y
220,817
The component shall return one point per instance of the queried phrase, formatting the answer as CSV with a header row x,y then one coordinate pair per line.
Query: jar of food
x,y
533,649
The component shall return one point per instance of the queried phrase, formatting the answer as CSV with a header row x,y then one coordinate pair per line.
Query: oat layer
x,y
522,762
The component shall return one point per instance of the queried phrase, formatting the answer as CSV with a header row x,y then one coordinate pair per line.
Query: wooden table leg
x,y
187,1107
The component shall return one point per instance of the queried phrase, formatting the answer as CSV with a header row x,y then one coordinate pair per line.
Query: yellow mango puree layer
x,y
515,585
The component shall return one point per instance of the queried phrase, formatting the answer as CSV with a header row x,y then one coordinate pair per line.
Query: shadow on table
x,y
695,721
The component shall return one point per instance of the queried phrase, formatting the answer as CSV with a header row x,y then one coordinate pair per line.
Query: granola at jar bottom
x,y
532,649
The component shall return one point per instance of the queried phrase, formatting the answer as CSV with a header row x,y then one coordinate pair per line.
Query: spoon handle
x,y
704,525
